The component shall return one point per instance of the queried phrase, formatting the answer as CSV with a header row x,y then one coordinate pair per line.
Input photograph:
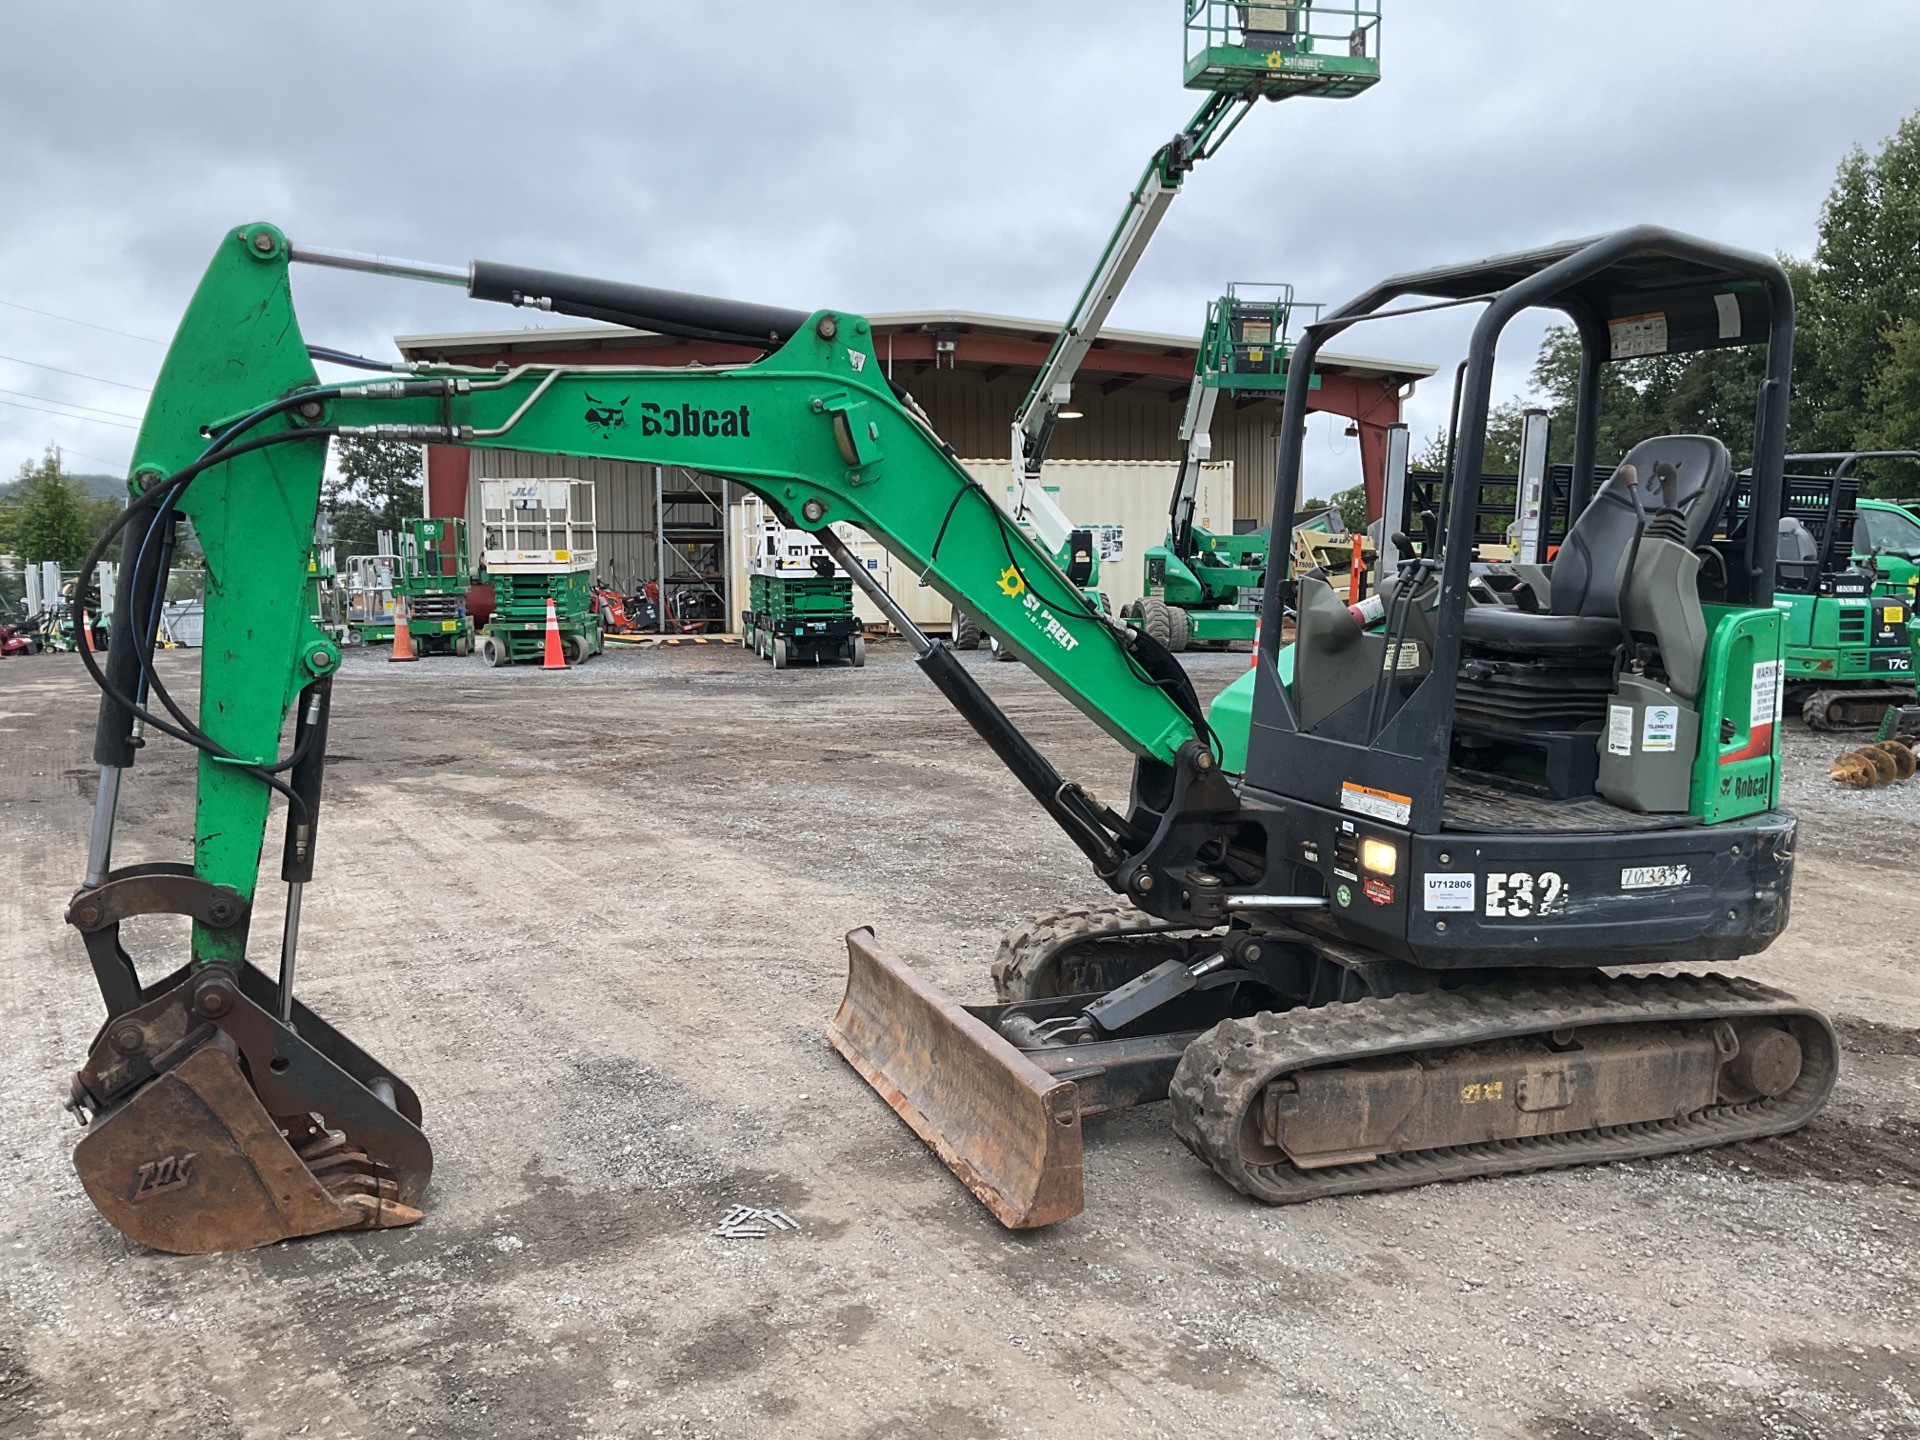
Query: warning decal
x,y
1379,804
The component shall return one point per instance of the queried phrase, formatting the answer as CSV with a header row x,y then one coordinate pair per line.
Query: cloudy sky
x,y
868,155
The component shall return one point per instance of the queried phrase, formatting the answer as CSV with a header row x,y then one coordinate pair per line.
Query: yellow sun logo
x,y
1010,582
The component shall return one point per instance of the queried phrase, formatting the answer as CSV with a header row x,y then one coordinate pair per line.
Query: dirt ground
x,y
596,919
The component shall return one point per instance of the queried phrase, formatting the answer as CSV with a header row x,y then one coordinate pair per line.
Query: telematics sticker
x,y
1380,804
1660,729
1655,877
1449,893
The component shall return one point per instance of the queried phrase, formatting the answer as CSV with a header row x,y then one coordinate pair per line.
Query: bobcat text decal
x,y
691,420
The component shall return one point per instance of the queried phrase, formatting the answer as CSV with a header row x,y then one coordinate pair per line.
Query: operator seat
x,y
1584,613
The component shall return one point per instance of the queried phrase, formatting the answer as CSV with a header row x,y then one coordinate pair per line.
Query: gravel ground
x,y
596,920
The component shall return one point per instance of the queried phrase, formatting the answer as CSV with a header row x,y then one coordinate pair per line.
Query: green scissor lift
x,y
430,578
537,545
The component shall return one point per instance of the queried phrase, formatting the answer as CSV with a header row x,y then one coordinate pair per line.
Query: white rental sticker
x,y
1380,804
1729,308
1654,877
1660,729
1450,893
1639,335
1619,729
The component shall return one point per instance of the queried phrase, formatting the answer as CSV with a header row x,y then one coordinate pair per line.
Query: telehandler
x,y
1380,955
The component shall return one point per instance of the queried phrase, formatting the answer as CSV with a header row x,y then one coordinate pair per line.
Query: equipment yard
x,y
598,917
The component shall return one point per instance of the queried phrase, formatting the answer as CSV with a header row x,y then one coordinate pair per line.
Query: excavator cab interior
x,y
1630,684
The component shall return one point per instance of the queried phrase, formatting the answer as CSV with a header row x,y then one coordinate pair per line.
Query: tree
x,y
1893,412
49,516
378,488
1863,296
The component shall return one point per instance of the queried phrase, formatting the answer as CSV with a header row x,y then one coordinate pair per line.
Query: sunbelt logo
x,y
692,420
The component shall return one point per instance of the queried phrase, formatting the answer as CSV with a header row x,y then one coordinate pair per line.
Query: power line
x,y
108,329
101,379
83,419
69,450
120,414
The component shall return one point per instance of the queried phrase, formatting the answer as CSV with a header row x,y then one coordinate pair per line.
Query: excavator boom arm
x,y
813,428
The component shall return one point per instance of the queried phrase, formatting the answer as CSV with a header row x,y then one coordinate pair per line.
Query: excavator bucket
x,y
217,1128
1009,1130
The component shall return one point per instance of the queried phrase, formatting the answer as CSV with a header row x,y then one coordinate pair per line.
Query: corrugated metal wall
x,y
622,498
1115,466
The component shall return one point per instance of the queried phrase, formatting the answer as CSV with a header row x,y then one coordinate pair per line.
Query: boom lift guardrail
x,y
1239,54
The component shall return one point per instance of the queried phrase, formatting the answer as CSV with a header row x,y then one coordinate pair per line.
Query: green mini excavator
x,y
1384,952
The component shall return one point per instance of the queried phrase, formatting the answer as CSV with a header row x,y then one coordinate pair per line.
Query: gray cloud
x,y
878,156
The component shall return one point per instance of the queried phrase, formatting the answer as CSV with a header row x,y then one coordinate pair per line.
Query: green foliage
x,y
1863,300
1710,392
1856,348
1893,413
1352,505
46,517
378,488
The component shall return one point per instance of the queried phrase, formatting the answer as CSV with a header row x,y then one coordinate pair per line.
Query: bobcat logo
x,y
607,416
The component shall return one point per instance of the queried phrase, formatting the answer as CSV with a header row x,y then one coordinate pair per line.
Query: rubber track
x,y
1223,1072
1024,954
1817,708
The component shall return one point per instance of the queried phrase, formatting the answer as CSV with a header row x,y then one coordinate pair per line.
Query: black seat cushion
x,y
1585,613
1588,566
1506,627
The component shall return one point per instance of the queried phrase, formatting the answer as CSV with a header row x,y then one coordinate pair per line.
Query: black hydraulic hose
x,y
315,706
163,497
347,358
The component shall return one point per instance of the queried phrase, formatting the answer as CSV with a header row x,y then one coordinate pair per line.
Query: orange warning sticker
x,y
1377,804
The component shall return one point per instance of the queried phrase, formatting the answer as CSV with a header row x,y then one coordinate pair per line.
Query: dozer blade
x,y
220,1129
1009,1130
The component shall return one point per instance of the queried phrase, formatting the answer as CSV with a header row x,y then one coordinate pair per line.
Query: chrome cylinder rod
x,y
289,943
1276,902
379,265
106,803
843,556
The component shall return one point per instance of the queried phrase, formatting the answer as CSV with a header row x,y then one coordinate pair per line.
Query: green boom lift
x,y
1238,54
1413,832
1196,579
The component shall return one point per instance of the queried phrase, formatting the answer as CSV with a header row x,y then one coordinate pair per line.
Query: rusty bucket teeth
x,y
1006,1128
226,1148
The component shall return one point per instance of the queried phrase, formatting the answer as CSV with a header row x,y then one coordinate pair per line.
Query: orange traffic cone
x,y
402,634
556,658
86,629
1253,660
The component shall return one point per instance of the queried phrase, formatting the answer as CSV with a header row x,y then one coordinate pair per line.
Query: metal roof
x,y
1114,343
